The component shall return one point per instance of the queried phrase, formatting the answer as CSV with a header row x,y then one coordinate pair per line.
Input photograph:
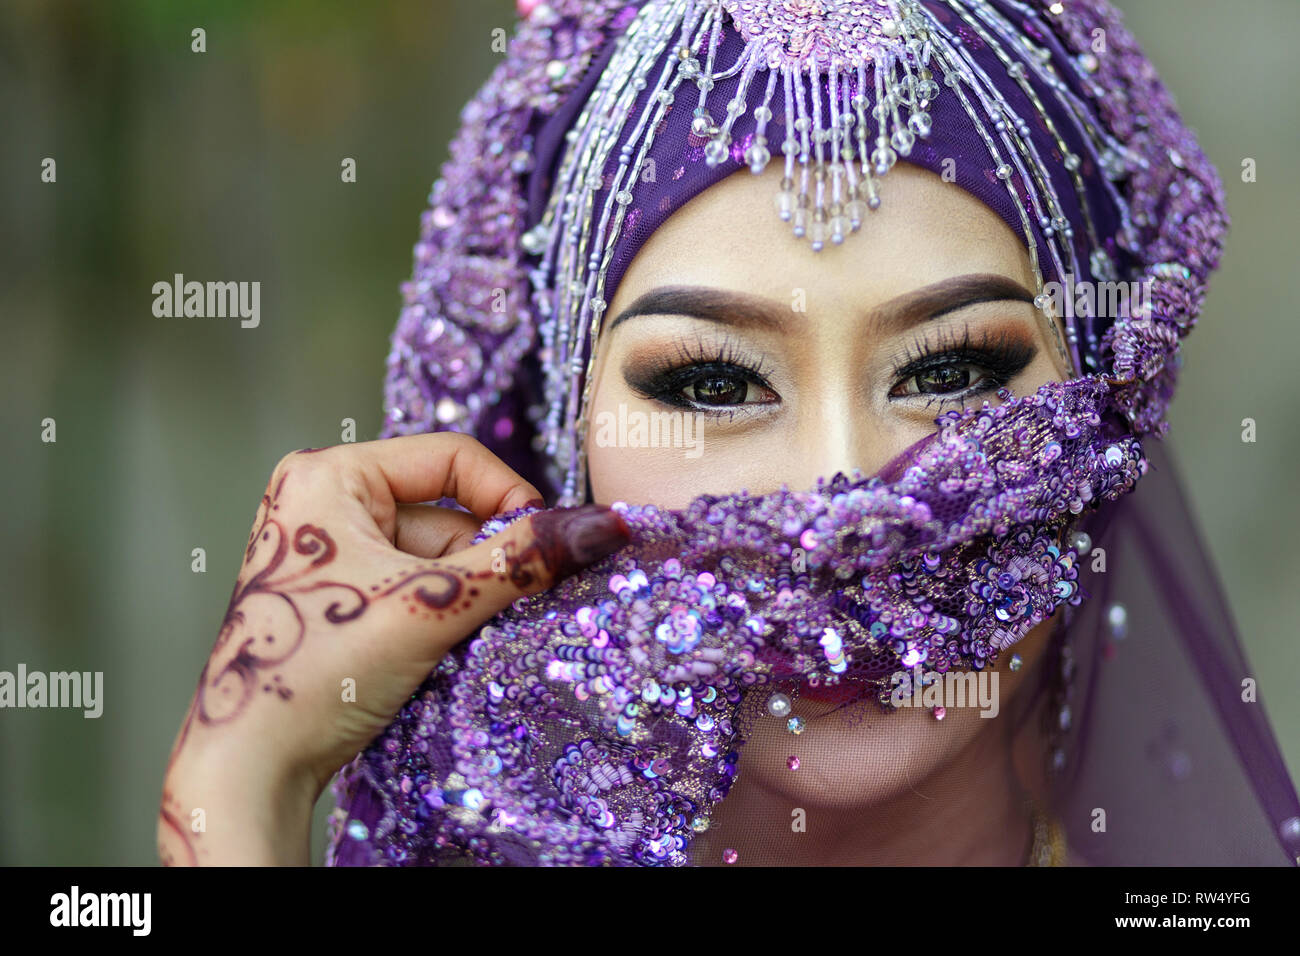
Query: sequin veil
x,y
651,710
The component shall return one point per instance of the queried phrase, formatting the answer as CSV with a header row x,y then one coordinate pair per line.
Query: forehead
x,y
730,236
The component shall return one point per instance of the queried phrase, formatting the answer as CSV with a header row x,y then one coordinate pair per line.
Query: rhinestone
x,y
556,70
795,725
1004,171
699,823
1016,662
902,140
729,855
792,763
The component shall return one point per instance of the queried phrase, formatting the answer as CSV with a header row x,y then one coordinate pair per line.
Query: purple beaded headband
x,y
1047,113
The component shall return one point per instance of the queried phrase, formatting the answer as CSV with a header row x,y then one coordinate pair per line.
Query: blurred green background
x,y
226,165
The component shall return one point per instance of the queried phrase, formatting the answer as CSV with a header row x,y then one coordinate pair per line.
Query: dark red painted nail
x,y
570,539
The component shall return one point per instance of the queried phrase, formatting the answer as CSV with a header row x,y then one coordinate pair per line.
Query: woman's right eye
x,y
707,386
717,390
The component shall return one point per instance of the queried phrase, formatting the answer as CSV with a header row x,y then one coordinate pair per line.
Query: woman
x,y
711,257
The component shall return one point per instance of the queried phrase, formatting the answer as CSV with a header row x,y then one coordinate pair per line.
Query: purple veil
x,y
1143,702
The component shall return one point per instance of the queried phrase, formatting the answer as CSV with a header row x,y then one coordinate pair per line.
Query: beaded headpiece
x,y
578,148
601,722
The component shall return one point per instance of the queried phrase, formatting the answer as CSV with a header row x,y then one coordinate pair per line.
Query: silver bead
x,y
1081,543
778,705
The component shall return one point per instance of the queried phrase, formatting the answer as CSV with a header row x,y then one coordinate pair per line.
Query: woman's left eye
x,y
943,379
959,370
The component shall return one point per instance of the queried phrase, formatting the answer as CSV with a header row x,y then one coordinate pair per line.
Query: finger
x,y
429,532
416,468
531,555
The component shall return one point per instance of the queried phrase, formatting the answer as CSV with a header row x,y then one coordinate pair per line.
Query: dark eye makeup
x,y
948,367
702,377
942,370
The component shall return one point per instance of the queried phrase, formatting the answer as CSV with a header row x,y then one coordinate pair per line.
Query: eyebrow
x,y
745,310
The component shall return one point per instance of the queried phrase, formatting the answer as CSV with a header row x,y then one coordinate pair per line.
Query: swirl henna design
x,y
176,840
269,604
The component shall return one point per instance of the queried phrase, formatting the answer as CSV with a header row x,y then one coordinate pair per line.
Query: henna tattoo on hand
x,y
565,542
266,622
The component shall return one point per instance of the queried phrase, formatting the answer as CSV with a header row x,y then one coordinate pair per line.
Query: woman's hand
x,y
349,595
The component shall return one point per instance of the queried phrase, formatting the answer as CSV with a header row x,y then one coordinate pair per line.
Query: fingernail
x,y
573,538
534,503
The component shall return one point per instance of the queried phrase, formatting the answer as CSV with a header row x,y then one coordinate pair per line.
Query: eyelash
x,y
664,379
1002,355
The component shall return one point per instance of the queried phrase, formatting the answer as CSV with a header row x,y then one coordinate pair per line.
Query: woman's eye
x,y
715,389
943,379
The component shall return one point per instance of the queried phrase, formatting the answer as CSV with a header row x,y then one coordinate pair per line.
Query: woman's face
x,y
779,365
776,364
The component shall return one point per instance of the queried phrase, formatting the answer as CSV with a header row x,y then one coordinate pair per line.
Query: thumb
x,y
533,554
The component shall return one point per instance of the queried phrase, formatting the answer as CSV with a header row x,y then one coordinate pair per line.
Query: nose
x,y
835,436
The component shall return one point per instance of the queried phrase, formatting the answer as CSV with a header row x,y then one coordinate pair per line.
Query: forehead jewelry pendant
x,y
834,151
